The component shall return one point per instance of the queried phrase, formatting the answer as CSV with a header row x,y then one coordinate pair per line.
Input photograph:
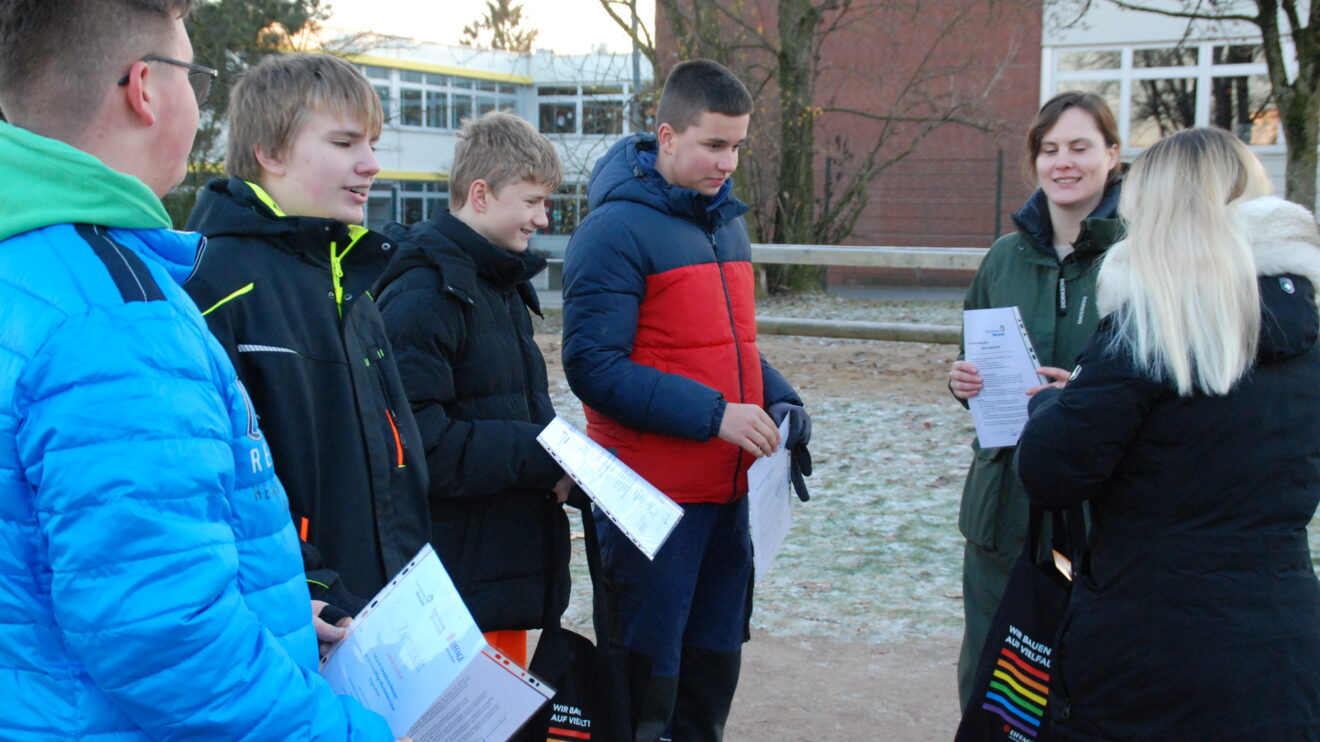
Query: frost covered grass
x,y
829,306
875,556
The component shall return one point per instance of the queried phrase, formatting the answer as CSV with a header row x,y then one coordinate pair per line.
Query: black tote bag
x,y
1010,694
592,701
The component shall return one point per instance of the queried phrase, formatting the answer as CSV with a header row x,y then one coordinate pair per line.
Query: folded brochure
x,y
641,511
415,656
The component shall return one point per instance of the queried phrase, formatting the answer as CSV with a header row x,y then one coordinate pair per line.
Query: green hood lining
x,y
52,182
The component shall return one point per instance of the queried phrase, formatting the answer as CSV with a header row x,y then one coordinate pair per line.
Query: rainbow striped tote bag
x,y
1011,692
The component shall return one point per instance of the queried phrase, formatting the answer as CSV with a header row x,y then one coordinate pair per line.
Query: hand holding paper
x,y
965,380
748,426
998,347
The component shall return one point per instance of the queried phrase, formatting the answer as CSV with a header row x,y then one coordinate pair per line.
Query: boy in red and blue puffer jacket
x,y
660,346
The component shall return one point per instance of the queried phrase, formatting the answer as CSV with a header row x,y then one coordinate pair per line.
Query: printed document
x,y
640,510
997,343
415,656
769,501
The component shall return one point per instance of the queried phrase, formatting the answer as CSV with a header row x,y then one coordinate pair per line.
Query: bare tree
x,y
1297,94
504,22
806,180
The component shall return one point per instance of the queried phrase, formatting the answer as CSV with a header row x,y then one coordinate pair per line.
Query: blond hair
x,y
501,149
1192,316
271,102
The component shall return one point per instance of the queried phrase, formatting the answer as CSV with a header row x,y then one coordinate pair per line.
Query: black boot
x,y
707,680
656,706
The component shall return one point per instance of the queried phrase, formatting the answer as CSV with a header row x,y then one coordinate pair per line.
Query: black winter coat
x,y
1196,613
456,308
324,385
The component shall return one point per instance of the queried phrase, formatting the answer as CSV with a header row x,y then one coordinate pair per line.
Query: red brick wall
x,y
986,55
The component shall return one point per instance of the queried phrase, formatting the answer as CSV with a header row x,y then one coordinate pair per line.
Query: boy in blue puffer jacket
x,y
150,581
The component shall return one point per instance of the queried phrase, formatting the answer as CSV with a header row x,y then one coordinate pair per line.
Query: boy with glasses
x,y
200,76
150,585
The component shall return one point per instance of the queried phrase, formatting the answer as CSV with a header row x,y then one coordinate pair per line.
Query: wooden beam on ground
x,y
900,331
878,256
929,258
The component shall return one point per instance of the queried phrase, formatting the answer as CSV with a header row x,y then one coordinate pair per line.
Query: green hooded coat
x,y
1056,299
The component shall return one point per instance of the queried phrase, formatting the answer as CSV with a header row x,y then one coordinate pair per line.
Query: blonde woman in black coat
x,y
1192,426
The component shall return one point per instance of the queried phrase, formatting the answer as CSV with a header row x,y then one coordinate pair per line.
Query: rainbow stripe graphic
x,y
1018,692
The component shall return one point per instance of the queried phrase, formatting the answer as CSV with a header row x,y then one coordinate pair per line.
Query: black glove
x,y
799,435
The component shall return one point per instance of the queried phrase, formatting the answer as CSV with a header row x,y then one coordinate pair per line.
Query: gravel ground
x,y
865,599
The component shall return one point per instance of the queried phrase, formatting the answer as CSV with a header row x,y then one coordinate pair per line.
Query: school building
x,y
956,188
581,102
1000,60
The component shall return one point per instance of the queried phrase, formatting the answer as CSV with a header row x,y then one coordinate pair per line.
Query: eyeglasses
x,y
199,76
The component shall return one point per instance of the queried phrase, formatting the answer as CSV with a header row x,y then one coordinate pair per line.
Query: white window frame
x,y
578,100
505,96
1203,72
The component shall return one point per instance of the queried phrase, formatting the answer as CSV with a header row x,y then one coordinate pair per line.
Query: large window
x,y
566,208
405,201
409,201
589,109
1157,90
437,101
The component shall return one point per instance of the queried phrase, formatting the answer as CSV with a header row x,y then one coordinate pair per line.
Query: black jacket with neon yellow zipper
x,y
288,299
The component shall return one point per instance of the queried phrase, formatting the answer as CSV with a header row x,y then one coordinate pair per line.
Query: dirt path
x,y
818,688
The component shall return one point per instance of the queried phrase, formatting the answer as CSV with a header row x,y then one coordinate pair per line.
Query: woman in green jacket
x,y
1047,270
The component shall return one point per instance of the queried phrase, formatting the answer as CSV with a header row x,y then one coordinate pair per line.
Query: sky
x,y
564,26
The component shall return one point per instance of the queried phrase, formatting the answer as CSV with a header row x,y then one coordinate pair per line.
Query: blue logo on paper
x,y
997,332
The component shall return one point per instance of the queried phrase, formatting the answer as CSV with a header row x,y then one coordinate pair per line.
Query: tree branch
x,y
979,126
645,45
1189,14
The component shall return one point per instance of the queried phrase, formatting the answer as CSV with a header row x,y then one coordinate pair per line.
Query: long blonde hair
x,y
1192,317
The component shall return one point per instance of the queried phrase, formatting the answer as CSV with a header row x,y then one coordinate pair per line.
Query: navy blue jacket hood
x,y
1033,219
627,173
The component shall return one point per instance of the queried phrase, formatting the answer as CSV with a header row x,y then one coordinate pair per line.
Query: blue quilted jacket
x,y
150,580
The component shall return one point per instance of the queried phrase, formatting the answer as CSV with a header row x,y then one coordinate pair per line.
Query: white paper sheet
x,y
769,504
415,656
640,510
996,342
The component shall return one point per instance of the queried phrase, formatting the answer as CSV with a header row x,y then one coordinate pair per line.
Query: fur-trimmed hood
x,y
1283,237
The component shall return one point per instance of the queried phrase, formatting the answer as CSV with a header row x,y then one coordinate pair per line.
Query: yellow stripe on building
x,y
412,175
438,69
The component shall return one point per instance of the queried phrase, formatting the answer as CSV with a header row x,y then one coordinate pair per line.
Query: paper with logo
x,y
996,342
640,510
769,501
416,657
